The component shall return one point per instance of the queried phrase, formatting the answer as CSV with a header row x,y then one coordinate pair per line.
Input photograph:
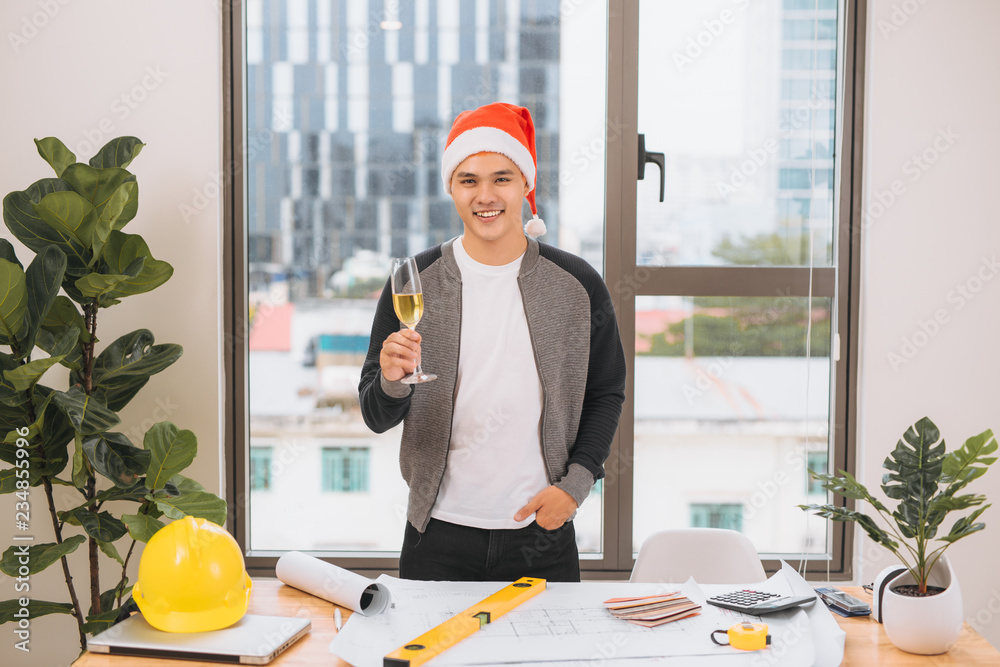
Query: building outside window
x,y
260,468
717,515
817,462
345,469
730,293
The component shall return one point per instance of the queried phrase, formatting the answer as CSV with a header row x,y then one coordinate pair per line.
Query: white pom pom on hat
x,y
496,128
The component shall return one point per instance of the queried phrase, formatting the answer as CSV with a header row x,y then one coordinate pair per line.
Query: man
x,y
501,449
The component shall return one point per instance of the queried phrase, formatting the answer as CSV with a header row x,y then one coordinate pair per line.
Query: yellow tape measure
x,y
458,627
745,636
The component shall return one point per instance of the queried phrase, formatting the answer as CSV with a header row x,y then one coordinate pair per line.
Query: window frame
x,y
621,274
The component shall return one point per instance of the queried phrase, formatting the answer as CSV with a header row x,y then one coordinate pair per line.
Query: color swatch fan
x,y
653,610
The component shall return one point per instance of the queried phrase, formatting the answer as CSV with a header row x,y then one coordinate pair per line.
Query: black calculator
x,y
758,602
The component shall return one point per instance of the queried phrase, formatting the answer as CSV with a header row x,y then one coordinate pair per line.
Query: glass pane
x,y
740,99
730,412
348,108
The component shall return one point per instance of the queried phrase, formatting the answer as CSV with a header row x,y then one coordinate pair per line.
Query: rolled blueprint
x,y
332,583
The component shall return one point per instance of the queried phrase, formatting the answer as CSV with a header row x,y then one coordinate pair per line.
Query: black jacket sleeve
x,y
380,410
605,392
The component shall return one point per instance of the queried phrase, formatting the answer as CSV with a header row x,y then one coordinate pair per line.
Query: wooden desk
x,y
866,645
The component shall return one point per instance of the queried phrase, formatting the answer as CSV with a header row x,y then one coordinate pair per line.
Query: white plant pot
x,y
928,625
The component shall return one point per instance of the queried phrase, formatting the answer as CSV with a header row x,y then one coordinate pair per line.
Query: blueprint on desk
x,y
567,623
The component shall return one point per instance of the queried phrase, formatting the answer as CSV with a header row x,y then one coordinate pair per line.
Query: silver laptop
x,y
254,640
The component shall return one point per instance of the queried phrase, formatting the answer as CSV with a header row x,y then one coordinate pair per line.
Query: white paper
x,y
568,624
334,584
827,634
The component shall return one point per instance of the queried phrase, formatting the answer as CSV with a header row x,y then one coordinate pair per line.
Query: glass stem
x,y
417,370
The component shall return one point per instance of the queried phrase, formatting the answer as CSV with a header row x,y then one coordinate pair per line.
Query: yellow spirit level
x,y
458,627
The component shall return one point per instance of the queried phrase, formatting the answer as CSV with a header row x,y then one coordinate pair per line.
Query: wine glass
x,y
408,301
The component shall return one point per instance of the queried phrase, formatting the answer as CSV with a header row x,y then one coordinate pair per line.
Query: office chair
x,y
710,555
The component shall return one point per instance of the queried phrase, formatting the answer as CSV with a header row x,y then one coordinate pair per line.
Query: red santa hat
x,y
496,128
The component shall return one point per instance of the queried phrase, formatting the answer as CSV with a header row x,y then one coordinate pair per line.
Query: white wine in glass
x,y
408,301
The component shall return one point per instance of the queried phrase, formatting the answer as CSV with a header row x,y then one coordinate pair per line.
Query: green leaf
x,y
141,527
24,377
969,462
39,557
114,209
36,609
80,472
846,485
198,504
94,285
55,153
56,432
114,456
98,186
97,623
23,221
8,480
118,152
13,303
27,375
111,551
102,526
915,464
121,253
172,450
7,252
836,513
72,216
108,597
87,414
65,314
186,484
62,343
135,493
126,365
965,526
42,280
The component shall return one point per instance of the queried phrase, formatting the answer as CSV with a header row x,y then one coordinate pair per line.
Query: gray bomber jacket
x,y
578,352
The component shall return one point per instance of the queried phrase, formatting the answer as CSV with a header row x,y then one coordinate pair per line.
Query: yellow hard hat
x,y
192,578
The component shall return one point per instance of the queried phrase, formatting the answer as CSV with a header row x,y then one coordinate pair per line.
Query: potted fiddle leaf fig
x,y
84,262
922,610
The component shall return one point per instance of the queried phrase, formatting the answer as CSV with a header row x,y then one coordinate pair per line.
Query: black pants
x,y
449,552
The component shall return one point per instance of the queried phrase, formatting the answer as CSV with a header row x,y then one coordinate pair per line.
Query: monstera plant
x,y
65,438
925,480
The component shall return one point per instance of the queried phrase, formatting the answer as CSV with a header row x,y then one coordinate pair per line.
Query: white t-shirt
x,y
495,463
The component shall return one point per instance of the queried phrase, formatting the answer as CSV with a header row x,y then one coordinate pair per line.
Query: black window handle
x,y
655,158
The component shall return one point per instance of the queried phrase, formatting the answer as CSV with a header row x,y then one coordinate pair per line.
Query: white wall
x,y
930,73
64,67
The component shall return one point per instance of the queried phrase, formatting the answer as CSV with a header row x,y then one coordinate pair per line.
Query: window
x,y
260,468
717,515
345,469
735,296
